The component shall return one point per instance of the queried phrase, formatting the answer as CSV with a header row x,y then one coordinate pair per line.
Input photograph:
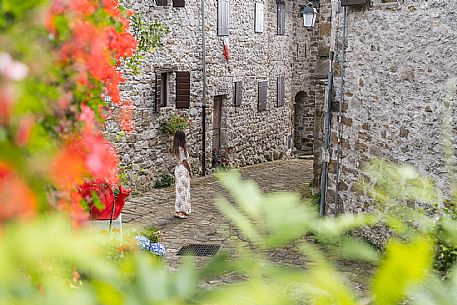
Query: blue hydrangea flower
x,y
157,249
143,242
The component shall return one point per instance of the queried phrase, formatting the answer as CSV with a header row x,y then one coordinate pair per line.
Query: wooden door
x,y
217,114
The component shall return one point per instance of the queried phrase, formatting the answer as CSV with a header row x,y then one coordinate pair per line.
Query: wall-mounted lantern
x,y
309,16
354,2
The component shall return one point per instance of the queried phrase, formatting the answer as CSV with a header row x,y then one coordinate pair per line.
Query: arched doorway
x,y
304,124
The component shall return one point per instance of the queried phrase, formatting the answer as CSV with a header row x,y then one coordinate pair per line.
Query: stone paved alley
x,y
207,226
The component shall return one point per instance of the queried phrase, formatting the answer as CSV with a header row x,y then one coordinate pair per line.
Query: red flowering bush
x,y
59,65
104,200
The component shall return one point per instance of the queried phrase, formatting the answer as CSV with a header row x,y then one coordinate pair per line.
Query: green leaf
x,y
357,249
405,265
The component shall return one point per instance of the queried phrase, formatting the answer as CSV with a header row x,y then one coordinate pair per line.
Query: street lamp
x,y
309,16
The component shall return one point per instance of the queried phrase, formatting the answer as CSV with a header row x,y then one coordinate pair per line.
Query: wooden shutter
x,y
179,3
223,17
259,17
162,2
280,91
238,93
158,96
262,103
182,89
281,17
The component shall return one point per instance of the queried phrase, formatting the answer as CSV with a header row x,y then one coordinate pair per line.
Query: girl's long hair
x,y
179,140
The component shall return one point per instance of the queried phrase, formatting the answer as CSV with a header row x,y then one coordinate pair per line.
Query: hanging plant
x,y
173,123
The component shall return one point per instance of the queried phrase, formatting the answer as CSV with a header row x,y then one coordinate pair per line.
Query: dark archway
x,y
304,124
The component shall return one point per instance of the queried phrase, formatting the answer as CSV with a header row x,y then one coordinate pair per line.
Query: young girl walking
x,y
183,174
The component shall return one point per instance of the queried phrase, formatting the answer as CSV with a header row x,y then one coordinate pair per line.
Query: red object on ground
x,y
106,196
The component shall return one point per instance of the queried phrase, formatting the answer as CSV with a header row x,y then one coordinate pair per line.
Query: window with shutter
x,y
162,2
223,17
238,93
259,17
280,91
262,103
161,99
179,3
182,89
158,96
281,17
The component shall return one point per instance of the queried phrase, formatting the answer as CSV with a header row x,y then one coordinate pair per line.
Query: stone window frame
x,y
163,89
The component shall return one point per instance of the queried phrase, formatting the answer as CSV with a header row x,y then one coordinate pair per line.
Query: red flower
x,y
24,130
16,198
89,154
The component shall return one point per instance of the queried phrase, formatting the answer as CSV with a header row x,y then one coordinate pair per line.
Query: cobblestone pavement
x,y
205,225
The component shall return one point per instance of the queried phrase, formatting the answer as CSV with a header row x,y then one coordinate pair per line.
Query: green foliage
x,y
165,180
39,259
174,123
152,233
149,36
390,184
12,11
446,250
397,274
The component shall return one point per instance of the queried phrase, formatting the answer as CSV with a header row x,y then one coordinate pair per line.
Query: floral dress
x,y
182,182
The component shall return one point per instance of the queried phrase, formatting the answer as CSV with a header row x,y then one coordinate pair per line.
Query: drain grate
x,y
198,250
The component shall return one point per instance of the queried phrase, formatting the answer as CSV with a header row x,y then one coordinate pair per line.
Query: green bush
x,y
42,261
165,181
152,233
175,122
445,252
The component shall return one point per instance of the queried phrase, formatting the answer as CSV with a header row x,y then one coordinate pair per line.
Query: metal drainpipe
x,y
325,153
203,101
340,107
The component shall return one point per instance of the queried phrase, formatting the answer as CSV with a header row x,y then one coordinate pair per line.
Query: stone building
x,y
259,103
394,81
399,72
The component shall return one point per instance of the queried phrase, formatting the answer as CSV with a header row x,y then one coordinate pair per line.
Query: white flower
x,y
11,69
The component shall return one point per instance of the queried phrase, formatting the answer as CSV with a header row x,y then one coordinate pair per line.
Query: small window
x,y
179,3
161,98
223,17
281,5
259,17
238,96
262,103
182,89
163,101
280,91
162,2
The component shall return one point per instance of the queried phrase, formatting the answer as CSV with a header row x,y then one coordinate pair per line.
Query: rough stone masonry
x,y
399,91
249,134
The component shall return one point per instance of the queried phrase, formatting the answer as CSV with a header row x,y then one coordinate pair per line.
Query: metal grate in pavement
x,y
198,250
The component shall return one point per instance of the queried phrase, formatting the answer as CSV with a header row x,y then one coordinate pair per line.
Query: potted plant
x,y
174,122
104,201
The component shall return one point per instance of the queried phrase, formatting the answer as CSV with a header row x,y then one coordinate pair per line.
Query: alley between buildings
x,y
207,226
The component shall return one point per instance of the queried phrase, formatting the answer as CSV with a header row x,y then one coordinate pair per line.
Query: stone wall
x,y
250,136
400,58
